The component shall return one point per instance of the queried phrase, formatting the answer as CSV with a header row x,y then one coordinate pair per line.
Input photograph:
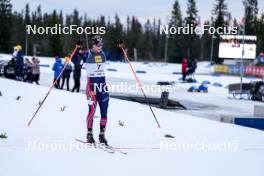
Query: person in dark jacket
x,y
119,52
57,68
66,73
192,67
19,60
184,68
78,63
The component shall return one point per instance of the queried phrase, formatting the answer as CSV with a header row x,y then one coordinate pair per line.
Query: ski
x,y
84,142
96,145
114,149
107,148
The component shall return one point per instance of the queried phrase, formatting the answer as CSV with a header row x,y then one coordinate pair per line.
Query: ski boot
x,y
90,139
102,139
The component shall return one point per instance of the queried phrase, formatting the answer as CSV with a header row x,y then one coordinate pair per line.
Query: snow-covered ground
x,y
240,150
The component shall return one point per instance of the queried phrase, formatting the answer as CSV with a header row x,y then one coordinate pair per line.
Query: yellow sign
x,y
221,69
98,59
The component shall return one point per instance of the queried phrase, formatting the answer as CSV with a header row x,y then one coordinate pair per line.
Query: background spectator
x,y
66,73
78,63
184,68
28,71
57,68
19,62
35,70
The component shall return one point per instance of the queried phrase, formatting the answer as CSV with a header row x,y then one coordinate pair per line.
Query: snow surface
x,y
139,137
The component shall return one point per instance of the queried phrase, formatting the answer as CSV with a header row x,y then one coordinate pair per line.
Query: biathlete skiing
x,y
96,92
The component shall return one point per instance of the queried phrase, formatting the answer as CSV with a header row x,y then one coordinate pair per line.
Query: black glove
x,y
119,43
79,44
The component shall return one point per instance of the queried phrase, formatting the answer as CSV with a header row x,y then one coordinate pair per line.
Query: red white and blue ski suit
x,y
96,89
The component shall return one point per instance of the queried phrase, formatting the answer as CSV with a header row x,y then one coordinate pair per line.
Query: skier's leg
x,y
90,116
92,107
103,100
91,96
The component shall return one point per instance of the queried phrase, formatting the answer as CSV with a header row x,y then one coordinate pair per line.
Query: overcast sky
x,y
142,9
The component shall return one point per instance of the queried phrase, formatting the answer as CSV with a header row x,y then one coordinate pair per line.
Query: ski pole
x,y
51,87
140,85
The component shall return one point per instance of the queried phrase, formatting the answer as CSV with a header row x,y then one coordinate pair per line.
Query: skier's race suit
x,y
96,89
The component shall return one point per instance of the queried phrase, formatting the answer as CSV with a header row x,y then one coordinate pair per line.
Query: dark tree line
x,y
145,38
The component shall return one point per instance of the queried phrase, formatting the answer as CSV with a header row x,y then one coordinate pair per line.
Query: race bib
x,y
95,69
95,65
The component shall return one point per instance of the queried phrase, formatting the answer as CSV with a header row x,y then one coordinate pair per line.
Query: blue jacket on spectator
x,y
57,67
